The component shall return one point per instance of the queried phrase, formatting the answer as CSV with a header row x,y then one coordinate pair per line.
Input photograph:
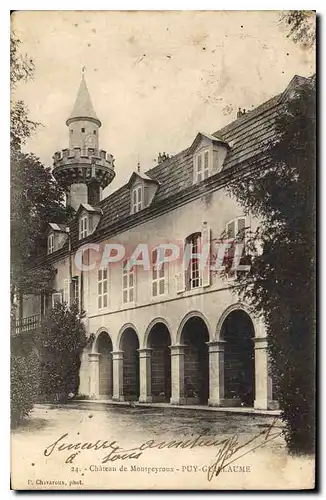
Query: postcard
x,y
163,250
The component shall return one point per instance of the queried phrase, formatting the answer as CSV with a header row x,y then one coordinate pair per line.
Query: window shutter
x,y
146,196
241,229
180,282
166,278
199,163
66,291
230,229
206,166
135,283
206,250
89,223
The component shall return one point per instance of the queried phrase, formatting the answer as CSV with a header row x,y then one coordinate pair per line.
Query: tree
x,y
280,283
21,69
301,24
36,198
61,342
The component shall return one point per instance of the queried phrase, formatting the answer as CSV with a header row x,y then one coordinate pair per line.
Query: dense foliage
x,y
60,343
24,385
280,283
36,199
301,26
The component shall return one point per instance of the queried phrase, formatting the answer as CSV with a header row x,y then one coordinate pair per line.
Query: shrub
x,y
61,342
24,385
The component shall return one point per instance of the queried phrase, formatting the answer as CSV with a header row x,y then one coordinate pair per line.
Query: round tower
x,y
83,169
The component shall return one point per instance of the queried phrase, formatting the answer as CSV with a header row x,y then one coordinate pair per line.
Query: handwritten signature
x,y
226,455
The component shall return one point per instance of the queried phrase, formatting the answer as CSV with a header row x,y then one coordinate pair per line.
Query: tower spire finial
x,y
138,166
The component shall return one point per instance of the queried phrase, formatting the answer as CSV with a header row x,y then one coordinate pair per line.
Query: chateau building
x,y
175,332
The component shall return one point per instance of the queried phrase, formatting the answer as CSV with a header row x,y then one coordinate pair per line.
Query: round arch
x,y
237,331
189,315
151,325
103,347
239,306
94,349
125,327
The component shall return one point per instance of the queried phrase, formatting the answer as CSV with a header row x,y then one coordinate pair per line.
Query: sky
x,y
155,78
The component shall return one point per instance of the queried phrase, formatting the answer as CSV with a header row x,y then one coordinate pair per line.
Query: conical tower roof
x,y
83,108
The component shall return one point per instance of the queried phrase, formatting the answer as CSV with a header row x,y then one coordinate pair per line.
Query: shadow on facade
x,y
104,348
239,361
194,336
129,344
159,340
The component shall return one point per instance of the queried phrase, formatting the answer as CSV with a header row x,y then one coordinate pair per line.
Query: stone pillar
x,y
177,374
263,382
216,372
117,359
94,359
145,375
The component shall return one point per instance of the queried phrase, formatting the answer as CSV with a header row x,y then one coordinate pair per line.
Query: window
x,y
66,292
75,290
202,166
193,246
128,284
56,298
137,199
158,278
235,234
50,243
83,130
235,229
83,227
71,131
102,288
94,132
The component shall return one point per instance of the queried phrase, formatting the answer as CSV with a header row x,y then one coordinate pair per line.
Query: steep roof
x,y
83,107
247,136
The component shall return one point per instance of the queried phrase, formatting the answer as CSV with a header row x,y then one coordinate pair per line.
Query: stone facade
x,y
155,340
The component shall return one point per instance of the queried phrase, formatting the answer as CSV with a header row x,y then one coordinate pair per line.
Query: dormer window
x,y
57,237
202,166
137,199
209,153
88,218
142,191
51,243
83,226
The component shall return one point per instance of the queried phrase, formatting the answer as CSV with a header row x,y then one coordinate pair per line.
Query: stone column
x,y
177,374
145,375
94,359
263,382
216,372
117,360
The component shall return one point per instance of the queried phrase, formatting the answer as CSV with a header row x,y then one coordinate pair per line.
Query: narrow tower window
x,y
83,130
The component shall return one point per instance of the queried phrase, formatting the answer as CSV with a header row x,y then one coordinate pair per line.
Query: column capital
x,y
94,356
177,349
216,345
117,355
145,352
260,342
